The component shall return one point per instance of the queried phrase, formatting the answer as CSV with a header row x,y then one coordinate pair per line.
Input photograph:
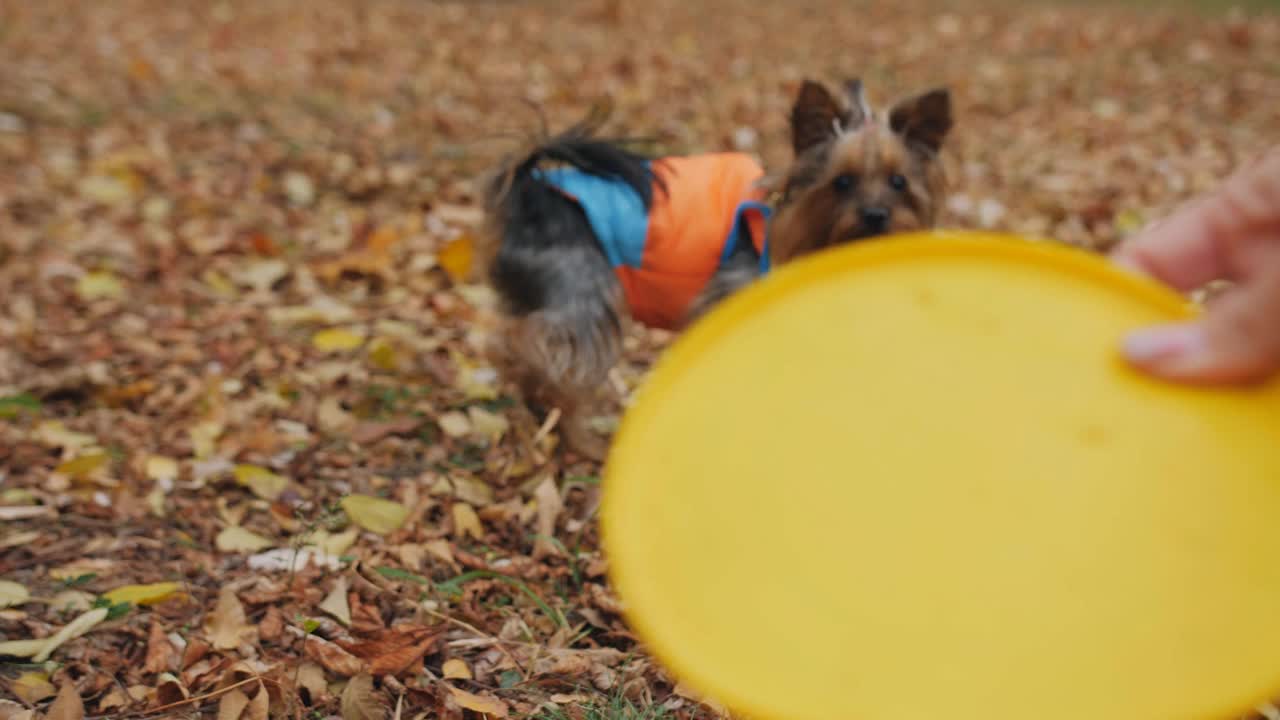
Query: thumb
x,y
1236,341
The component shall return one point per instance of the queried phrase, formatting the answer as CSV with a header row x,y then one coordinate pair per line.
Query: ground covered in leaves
x,y
251,459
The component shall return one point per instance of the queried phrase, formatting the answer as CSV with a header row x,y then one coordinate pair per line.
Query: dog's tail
x,y
516,184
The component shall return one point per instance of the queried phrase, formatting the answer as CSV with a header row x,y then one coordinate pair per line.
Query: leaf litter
x,y
253,461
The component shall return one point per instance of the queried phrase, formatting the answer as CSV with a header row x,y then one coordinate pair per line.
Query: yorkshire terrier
x,y
611,234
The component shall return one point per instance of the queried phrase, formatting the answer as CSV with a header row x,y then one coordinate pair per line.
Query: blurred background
x,y
238,234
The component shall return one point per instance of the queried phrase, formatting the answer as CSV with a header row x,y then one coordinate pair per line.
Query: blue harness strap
x,y
735,233
616,213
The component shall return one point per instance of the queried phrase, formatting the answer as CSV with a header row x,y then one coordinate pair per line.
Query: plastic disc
x,y
912,479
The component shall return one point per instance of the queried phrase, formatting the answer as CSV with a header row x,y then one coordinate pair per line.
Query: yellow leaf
x,y
382,355
22,648
161,469
456,669
12,593
454,424
1128,221
203,436
143,594
219,284
82,466
336,544
337,340
99,285
70,631
264,483
490,425
32,687
235,539
55,434
336,602
466,522
479,703
375,514
456,257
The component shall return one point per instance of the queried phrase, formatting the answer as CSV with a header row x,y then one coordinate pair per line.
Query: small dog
x,y
612,234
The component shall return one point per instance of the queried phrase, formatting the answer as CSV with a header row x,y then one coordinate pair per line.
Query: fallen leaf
x,y
332,417
22,648
311,678
67,706
471,489
260,705
142,594
81,625
375,514
336,602
54,434
456,257
232,705
227,626
359,702
82,466
98,285
261,481
395,650
490,426
485,704
161,469
466,522
293,559
455,669
335,543
370,432
443,551
70,601
12,593
383,355
170,690
454,424
32,687
261,274
235,539
161,655
337,340
550,504
333,658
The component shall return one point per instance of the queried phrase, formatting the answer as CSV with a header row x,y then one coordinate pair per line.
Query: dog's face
x,y
859,173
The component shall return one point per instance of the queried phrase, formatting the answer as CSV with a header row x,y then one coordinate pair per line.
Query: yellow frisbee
x,y
912,479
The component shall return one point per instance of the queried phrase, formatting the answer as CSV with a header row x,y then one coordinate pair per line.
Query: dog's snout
x,y
875,218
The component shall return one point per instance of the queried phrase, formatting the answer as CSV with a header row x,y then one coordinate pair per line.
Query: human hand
x,y
1232,233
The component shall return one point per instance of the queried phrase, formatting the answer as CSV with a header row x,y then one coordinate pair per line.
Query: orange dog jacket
x,y
664,257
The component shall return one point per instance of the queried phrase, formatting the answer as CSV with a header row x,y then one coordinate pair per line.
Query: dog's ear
x,y
923,120
816,117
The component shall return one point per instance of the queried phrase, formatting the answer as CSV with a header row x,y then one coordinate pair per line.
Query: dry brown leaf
x,y
232,704
394,650
161,655
550,505
311,678
443,551
227,626
486,704
67,706
336,602
170,689
360,702
371,432
332,657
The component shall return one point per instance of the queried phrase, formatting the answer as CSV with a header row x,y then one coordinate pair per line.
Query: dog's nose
x,y
875,218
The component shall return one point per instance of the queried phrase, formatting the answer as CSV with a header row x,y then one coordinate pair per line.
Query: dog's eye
x,y
844,182
897,182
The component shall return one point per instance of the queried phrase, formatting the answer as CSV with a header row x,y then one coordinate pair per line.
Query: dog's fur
x,y
856,174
